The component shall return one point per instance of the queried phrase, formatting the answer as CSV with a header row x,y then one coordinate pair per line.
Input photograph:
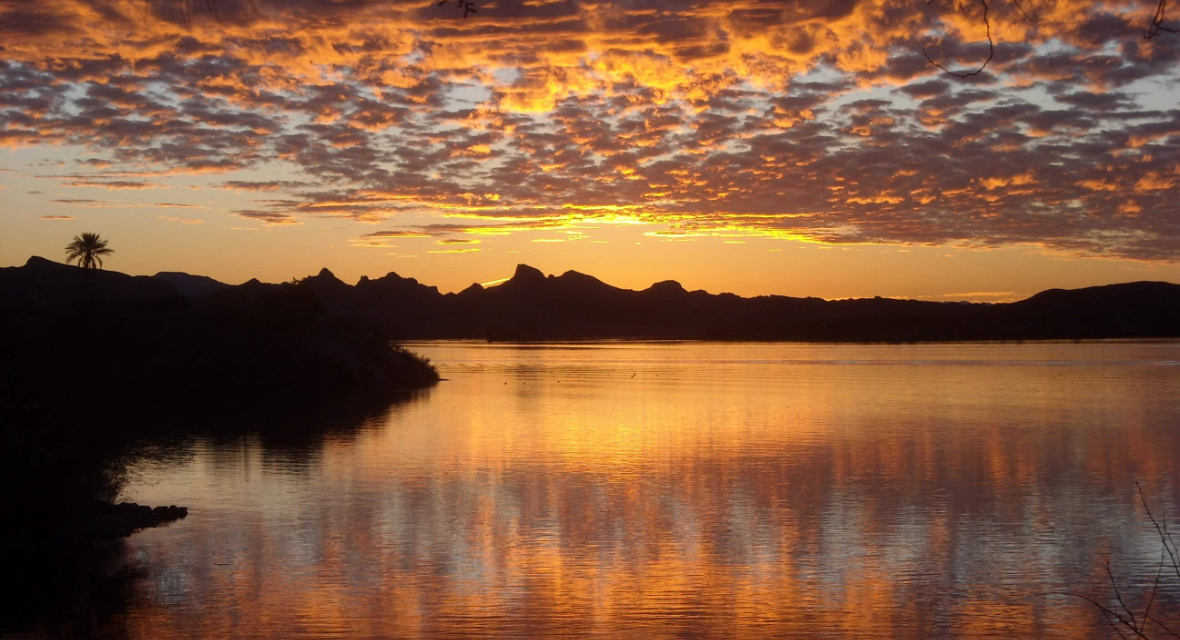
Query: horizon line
x,y
1014,296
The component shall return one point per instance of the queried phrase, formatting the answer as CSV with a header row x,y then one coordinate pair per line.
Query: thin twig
x,y
1019,7
1105,611
1163,626
1114,585
1118,621
1157,22
467,6
991,47
1114,626
1154,588
1165,537
1168,535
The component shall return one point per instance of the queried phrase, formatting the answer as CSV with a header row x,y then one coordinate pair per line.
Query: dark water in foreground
x,y
683,490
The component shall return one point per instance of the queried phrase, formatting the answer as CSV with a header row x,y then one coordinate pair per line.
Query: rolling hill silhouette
x,y
531,306
573,306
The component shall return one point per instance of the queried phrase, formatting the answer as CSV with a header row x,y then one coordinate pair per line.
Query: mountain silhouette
x,y
44,283
533,306
575,306
191,287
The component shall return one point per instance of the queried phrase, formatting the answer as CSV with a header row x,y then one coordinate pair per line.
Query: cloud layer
x,y
812,120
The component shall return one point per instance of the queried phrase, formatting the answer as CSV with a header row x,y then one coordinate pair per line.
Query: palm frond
x,y
87,249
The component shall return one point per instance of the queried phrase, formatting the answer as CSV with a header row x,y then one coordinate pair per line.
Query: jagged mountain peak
x,y
667,286
525,273
578,276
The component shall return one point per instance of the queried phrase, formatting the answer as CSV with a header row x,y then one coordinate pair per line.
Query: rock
x,y
110,521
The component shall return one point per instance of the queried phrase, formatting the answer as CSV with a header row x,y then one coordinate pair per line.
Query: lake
x,y
668,490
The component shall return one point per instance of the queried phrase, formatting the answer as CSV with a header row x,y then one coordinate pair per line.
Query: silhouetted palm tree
x,y
87,249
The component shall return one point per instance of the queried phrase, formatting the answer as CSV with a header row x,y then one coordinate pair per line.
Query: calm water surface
x,y
684,490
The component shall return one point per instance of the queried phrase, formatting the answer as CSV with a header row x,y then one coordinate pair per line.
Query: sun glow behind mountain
x,y
805,148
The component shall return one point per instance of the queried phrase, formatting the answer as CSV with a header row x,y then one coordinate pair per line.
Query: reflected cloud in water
x,y
670,490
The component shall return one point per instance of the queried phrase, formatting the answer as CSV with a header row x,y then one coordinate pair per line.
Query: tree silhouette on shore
x,y
87,250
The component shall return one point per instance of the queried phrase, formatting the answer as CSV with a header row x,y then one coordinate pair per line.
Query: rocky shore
x,y
109,521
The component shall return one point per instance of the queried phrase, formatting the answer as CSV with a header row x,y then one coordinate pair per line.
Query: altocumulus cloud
x,y
812,120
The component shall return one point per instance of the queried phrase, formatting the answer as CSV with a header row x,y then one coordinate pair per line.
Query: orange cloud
x,y
812,120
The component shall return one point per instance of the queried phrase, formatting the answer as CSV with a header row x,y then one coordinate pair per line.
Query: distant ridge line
x,y
533,306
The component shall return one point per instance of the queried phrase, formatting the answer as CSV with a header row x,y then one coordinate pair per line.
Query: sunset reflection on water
x,y
685,490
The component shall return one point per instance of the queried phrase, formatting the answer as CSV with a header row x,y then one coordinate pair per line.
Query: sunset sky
x,y
801,147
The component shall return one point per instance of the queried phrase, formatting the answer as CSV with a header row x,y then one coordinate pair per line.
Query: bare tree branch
x,y
991,46
1165,537
1115,587
1154,29
467,6
1032,19
1154,588
1127,621
1111,616
1163,626
1157,22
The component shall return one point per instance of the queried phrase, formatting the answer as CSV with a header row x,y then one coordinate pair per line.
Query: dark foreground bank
x,y
78,339
99,369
